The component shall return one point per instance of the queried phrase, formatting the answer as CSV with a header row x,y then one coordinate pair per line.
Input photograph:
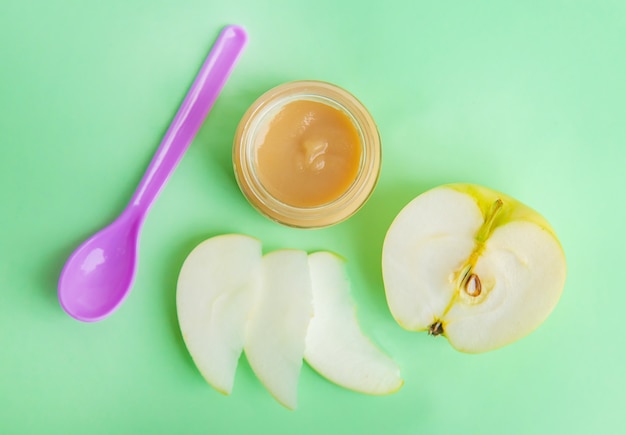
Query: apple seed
x,y
473,286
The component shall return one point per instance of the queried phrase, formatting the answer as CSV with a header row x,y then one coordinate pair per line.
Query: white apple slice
x,y
472,264
216,288
335,345
278,323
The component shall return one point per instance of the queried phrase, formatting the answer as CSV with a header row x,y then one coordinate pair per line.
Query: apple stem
x,y
487,227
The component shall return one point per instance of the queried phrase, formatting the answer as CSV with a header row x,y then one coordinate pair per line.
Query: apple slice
x,y
215,291
276,331
335,345
472,264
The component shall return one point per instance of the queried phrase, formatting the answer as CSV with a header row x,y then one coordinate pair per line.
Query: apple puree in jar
x,y
309,154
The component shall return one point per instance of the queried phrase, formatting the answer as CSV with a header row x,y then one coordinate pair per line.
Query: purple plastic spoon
x,y
99,274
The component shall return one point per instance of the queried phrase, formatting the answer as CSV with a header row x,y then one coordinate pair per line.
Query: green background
x,y
524,97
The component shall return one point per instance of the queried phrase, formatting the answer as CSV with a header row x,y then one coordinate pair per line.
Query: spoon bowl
x,y
107,260
99,274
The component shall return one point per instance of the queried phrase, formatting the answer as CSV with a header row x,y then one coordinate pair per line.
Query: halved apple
x,y
472,264
216,288
278,323
335,345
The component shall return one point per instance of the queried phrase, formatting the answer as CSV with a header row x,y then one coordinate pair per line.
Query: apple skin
x,y
461,238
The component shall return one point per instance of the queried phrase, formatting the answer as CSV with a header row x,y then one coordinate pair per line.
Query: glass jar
x,y
254,127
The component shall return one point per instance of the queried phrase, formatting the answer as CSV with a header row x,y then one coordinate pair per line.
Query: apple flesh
x,y
472,264
278,323
215,291
335,345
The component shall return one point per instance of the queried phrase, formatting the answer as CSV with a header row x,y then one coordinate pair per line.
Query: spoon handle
x,y
191,114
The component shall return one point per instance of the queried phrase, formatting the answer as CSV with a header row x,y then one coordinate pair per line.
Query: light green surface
x,y
525,97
